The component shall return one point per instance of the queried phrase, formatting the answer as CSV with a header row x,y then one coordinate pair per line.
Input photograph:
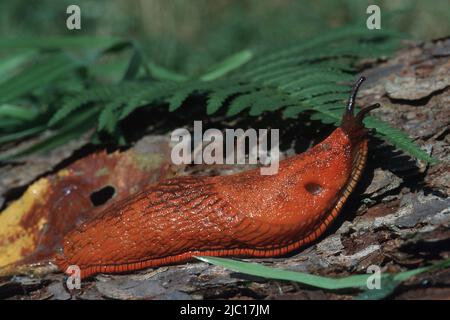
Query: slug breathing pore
x,y
241,215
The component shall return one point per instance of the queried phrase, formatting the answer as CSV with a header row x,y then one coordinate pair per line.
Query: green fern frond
x,y
318,90
398,139
325,98
108,117
69,107
216,98
245,101
179,96
349,34
277,74
146,94
102,93
309,74
271,102
292,112
316,78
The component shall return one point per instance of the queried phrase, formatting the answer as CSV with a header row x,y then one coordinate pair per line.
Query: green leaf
x,y
292,112
108,118
77,126
356,281
233,62
133,66
109,69
67,109
387,287
326,98
58,42
9,64
217,97
19,113
38,75
179,97
157,72
316,78
388,281
308,74
149,93
10,125
319,89
398,139
161,73
269,103
318,43
21,134
244,101
103,93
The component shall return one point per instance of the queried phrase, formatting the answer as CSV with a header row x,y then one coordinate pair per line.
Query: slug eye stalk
x,y
352,124
351,101
349,111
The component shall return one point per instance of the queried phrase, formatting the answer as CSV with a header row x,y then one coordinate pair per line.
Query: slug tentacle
x,y
351,101
364,111
245,214
353,124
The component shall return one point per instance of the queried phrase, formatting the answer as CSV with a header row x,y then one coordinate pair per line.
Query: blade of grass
x,y
259,270
57,42
390,281
10,125
42,73
154,70
161,73
9,65
19,113
133,66
398,139
232,62
21,134
78,125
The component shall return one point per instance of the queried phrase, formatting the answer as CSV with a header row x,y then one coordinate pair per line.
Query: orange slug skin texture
x,y
242,215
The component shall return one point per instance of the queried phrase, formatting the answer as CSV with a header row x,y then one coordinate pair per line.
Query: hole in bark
x,y
101,196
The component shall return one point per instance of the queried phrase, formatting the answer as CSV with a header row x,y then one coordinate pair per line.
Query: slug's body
x,y
246,214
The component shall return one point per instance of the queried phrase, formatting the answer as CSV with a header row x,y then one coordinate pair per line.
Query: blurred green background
x,y
186,35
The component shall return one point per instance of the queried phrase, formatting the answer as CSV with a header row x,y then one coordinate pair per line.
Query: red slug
x,y
245,215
